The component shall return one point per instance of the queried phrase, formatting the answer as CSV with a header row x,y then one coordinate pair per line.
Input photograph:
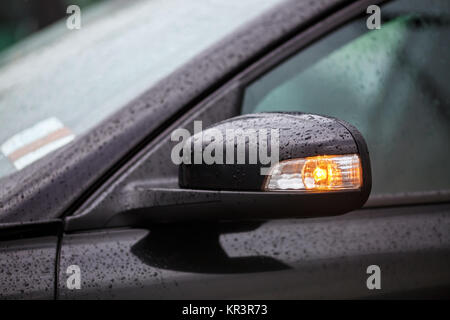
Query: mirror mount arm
x,y
142,206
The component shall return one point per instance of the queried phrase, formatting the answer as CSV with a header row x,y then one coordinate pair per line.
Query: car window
x,y
391,83
59,83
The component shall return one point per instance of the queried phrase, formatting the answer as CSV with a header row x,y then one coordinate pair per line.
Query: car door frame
x,y
175,281
87,163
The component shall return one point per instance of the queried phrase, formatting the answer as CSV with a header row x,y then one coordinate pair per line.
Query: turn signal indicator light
x,y
316,174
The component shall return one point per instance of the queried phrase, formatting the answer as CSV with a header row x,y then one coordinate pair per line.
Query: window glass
x,y
391,83
58,83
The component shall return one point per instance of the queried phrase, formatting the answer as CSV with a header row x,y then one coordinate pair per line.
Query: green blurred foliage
x,y
20,18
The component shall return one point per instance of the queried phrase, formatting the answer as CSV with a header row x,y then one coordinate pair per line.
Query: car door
x,y
402,231
44,192
28,260
104,129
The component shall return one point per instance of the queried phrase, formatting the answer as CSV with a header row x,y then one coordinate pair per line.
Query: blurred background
x,y
20,18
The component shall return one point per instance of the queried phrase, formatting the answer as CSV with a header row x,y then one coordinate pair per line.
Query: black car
x,y
102,195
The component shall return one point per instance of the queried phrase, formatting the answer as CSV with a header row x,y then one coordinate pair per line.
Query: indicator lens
x,y
320,173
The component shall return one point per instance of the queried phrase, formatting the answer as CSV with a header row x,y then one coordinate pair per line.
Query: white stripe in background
x,y
35,142
39,153
39,130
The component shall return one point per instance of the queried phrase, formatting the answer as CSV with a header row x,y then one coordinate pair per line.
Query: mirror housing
x,y
239,171
240,189
244,144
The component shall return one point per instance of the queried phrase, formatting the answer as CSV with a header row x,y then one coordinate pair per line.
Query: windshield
x,y
61,81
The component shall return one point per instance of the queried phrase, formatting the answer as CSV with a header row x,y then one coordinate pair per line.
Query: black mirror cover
x,y
233,192
300,135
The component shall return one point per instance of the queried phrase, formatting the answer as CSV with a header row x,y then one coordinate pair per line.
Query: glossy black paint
x,y
280,259
300,136
159,205
28,258
314,258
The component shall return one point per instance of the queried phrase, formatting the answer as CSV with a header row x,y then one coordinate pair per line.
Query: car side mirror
x,y
280,165
252,167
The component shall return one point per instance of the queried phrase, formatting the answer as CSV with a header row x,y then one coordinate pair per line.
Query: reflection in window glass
x,y
392,84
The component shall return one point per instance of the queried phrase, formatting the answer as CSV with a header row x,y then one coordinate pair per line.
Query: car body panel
x,y
308,258
28,260
280,259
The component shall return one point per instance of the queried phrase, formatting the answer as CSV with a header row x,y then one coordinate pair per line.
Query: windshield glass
x,y
62,81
